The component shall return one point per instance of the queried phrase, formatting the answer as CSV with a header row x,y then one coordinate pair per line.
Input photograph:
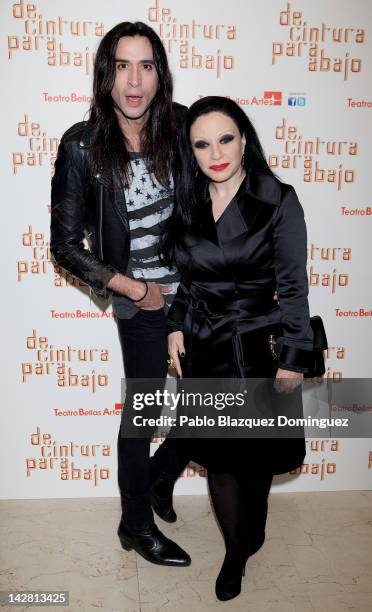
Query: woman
x,y
237,235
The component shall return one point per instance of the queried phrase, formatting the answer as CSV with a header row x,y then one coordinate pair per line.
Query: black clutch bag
x,y
256,351
316,365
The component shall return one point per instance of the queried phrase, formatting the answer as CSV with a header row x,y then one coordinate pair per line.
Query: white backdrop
x,y
302,73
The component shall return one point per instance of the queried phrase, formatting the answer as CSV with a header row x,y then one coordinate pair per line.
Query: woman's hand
x,y
175,349
287,381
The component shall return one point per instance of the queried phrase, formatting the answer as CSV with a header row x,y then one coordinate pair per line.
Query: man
x,y
113,184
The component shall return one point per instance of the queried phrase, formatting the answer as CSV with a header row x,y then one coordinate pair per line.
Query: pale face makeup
x,y
218,147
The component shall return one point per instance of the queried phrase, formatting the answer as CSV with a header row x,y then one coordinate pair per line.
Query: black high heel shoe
x,y
229,580
255,544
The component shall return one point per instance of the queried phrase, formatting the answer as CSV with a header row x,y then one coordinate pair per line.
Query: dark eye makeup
x,y
227,138
202,144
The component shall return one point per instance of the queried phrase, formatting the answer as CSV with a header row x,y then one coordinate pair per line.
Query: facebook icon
x,y
296,100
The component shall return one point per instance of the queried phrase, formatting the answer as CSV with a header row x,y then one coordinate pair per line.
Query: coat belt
x,y
200,312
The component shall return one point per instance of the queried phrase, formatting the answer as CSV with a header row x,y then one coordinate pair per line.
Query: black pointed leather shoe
x,y
152,545
161,495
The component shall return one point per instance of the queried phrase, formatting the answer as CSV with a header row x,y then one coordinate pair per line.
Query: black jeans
x,y
143,341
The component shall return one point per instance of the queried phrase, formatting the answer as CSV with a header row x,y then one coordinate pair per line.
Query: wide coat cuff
x,y
295,359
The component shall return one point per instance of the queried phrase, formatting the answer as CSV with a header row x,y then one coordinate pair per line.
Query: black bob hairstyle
x,y
190,184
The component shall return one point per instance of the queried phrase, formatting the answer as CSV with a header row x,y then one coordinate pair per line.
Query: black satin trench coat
x,y
230,270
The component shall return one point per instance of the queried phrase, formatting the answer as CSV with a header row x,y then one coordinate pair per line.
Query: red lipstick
x,y
219,167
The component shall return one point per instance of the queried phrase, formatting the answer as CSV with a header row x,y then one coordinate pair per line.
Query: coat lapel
x,y
253,204
252,210
206,224
259,198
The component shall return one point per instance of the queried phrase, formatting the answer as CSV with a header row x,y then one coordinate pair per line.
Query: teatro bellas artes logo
x,y
188,40
323,44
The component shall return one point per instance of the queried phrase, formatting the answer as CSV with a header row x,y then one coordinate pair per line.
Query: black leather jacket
x,y
85,207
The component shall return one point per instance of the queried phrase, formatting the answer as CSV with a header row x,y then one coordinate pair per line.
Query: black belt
x,y
201,311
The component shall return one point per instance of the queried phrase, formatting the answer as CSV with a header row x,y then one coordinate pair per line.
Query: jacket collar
x,y
255,198
263,187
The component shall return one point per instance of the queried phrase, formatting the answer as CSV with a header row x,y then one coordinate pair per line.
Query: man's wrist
x,y
128,287
146,288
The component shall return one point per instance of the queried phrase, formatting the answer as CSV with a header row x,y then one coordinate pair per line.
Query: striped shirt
x,y
148,205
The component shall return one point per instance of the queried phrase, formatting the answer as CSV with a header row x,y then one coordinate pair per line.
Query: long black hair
x,y
108,150
190,183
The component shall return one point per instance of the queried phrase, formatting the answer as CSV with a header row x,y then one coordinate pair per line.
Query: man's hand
x,y
176,348
287,381
135,290
154,298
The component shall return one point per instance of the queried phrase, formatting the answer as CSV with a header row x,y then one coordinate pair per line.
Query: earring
x,y
242,161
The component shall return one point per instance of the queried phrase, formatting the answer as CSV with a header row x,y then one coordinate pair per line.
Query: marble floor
x,y
317,557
